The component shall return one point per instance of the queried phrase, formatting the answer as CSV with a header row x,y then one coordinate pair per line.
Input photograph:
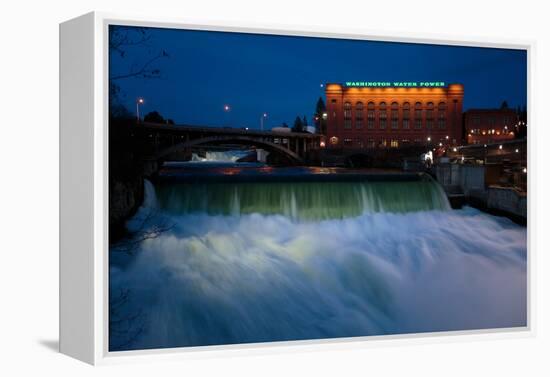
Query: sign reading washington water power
x,y
392,84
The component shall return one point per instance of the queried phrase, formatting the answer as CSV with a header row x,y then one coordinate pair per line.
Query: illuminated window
x,y
383,115
383,143
418,115
347,115
441,115
348,142
394,115
359,115
370,115
406,115
394,143
430,115
334,140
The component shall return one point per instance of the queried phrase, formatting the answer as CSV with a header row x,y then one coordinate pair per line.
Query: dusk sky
x,y
282,75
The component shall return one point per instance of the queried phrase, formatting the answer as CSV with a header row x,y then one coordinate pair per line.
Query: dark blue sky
x,y
282,75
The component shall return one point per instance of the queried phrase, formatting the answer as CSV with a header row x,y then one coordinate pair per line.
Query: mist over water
x,y
255,272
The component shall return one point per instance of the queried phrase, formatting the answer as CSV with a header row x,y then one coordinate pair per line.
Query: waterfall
x,y
149,195
303,200
231,263
221,156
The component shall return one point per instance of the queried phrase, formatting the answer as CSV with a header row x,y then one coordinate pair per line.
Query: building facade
x,y
486,126
363,115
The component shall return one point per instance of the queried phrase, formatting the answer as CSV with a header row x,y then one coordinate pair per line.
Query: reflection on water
x,y
310,260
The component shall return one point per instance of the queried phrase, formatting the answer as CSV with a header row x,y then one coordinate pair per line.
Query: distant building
x,y
393,114
485,126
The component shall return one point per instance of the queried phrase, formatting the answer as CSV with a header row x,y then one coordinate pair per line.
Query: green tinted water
x,y
302,200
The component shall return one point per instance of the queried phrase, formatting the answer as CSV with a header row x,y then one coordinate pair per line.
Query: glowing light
x,y
454,149
447,137
525,170
226,108
517,150
140,101
500,147
429,138
322,144
440,144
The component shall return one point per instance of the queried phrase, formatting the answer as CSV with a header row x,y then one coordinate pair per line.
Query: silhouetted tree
x,y
320,108
297,125
320,122
154,117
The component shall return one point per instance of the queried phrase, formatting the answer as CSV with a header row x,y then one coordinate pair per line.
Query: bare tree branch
x,y
145,71
145,232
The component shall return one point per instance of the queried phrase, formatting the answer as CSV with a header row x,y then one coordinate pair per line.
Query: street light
x,y
139,101
264,115
226,108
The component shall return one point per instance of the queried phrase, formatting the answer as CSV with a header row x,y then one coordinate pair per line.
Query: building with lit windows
x,y
393,114
486,126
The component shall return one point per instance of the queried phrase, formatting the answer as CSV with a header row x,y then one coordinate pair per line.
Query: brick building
x,y
393,114
486,126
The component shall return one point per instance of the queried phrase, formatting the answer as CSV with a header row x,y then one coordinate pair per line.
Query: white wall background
x,y
29,176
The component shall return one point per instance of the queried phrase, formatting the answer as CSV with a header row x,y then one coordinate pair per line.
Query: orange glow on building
x,y
392,117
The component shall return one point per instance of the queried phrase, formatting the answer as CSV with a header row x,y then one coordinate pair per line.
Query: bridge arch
x,y
233,139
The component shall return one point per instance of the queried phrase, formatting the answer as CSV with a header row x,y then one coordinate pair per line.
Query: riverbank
x,y
482,186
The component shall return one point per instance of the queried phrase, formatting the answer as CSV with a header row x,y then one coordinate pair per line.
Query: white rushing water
x,y
220,156
214,279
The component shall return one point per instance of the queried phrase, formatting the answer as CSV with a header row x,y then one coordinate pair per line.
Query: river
x,y
250,253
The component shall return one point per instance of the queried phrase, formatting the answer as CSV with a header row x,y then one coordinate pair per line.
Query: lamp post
x,y
264,116
139,102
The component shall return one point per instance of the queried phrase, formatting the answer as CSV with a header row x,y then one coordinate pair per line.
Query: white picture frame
x,y
84,191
